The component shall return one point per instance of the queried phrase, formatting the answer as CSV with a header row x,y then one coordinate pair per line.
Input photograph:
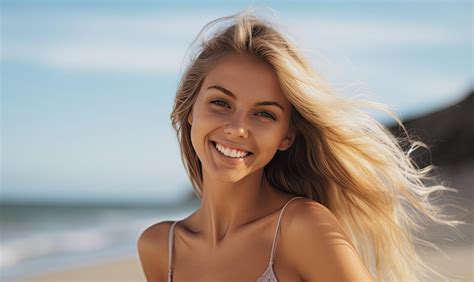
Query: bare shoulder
x,y
320,248
308,213
308,216
152,248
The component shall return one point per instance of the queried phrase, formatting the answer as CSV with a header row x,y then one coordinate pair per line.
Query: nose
x,y
237,127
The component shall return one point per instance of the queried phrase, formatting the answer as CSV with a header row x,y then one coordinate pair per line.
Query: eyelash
x,y
225,104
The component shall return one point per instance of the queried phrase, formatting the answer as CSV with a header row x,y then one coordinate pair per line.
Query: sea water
x,y
41,238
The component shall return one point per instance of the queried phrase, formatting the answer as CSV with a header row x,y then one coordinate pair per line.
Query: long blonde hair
x,y
341,157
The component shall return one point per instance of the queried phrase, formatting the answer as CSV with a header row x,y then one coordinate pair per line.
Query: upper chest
x,y
245,257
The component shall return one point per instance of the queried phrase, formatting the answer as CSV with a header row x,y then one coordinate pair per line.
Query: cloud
x,y
101,57
370,34
158,44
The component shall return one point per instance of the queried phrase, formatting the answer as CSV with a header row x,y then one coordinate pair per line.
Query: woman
x,y
296,183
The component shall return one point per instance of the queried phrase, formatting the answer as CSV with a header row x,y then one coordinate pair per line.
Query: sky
x,y
87,86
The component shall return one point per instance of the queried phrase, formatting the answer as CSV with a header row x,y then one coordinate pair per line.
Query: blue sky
x,y
87,86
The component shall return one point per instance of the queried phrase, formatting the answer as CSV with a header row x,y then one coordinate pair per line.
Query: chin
x,y
227,176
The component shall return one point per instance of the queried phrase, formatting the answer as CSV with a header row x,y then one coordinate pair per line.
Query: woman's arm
x,y
152,248
320,248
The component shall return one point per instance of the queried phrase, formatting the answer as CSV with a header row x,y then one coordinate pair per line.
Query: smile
x,y
230,152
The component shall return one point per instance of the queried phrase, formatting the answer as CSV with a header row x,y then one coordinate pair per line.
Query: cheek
x,y
268,142
203,124
197,140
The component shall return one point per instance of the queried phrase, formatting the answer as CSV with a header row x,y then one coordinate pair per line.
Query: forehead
x,y
247,77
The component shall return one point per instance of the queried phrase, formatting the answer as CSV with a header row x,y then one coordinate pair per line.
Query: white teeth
x,y
233,153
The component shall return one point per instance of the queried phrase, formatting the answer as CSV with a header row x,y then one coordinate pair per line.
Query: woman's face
x,y
240,118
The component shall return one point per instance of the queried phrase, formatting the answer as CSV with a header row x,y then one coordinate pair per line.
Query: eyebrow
x,y
229,93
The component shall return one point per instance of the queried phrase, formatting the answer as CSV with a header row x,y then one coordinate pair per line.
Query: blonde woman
x,y
296,183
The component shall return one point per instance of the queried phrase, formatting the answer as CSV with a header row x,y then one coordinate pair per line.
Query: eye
x,y
223,103
267,115
220,103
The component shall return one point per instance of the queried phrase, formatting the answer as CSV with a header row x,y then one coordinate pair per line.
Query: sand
x,y
128,269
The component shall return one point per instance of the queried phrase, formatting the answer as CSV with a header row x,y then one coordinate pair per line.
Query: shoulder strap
x,y
170,250
278,228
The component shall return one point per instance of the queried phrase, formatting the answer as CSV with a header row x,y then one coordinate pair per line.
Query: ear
x,y
287,142
190,117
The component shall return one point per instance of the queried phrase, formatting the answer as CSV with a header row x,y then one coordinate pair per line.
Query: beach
x,y
457,262
460,266
124,269
51,243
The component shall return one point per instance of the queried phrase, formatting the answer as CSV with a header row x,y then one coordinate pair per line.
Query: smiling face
x,y
240,118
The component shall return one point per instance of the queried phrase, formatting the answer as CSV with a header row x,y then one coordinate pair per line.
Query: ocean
x,y
42,238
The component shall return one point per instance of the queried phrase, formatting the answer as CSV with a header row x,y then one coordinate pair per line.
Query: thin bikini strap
x,y
170,251
278,228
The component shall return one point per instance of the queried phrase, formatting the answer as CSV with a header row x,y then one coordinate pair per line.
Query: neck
x,y
228,206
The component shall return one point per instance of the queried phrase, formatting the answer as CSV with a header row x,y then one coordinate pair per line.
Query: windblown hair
x,y
341,157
